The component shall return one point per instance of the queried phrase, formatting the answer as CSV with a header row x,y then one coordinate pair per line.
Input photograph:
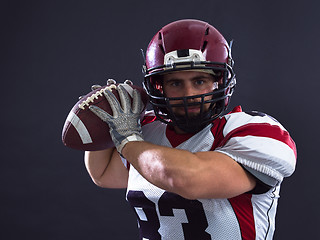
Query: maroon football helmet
x,y
189,45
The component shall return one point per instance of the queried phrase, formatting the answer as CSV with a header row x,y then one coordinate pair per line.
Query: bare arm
x,y
106,169
191,175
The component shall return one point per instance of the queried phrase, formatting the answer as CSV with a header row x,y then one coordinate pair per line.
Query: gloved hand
x,y
125,123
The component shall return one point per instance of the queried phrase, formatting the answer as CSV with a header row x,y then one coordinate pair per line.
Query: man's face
x,y
188,83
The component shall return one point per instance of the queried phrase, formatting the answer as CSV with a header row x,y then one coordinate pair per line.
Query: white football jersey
x,y
256,141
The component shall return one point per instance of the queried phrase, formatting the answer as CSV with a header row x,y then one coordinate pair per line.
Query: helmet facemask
x,y
216,99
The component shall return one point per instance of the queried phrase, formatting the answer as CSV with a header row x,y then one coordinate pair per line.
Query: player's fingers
x,y
128,82
113,102
111,81
124,98
136,102
95,86
103,115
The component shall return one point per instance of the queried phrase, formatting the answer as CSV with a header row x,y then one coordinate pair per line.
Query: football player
x,y
192,172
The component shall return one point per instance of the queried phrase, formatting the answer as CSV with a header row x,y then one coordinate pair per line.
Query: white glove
x,y
125,123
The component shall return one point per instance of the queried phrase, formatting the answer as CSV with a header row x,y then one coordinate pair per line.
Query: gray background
x,y
53,51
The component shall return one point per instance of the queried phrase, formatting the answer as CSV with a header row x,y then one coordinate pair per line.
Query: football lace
x,y
94,96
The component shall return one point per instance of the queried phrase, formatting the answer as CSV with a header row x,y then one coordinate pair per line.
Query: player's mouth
x,y
190,110
193,109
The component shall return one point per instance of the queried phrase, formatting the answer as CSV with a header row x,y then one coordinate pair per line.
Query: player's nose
x,y
189,90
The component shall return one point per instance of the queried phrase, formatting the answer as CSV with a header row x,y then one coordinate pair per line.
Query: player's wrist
x,y
132,138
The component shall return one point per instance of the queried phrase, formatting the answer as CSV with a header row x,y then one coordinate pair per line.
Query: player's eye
x,y
199,82
174,83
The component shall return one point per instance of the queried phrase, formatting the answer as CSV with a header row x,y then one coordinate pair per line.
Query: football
x,y
83,130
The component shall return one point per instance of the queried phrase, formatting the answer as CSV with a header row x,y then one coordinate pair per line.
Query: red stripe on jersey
x,y
262,130
217,128
176,139
243,209
217,131
148,119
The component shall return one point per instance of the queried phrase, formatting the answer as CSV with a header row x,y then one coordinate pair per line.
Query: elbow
x,y
98,182
108,184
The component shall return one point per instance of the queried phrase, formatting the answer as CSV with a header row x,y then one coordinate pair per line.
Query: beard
x,y
192,123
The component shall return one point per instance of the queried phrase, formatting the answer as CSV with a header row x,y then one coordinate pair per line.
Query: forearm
x,y
192,175
165,167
